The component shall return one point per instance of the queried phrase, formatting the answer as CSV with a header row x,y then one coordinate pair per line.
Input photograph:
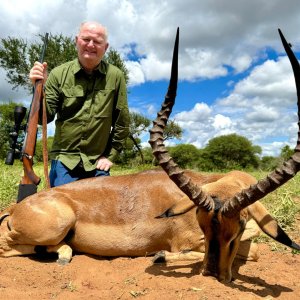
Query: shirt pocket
x,y
104,102
73,101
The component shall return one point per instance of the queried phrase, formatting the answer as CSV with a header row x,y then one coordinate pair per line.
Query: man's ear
x,y
106,46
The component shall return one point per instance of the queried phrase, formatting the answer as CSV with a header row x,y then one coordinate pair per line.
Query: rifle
x,y
30,180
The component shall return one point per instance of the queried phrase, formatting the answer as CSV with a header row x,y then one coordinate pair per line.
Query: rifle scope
x,y
15,147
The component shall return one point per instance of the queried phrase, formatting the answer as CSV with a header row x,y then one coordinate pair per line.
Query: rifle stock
x,y
30,180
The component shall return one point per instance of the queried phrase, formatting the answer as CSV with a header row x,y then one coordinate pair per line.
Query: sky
x,y
234,76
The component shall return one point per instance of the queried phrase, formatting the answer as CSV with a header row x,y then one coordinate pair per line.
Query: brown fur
x,y
111,216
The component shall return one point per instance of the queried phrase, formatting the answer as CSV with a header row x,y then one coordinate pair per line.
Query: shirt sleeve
x,y
52,96
121,121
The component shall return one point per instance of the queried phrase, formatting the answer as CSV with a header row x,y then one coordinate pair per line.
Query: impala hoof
x,y
159,257
63,261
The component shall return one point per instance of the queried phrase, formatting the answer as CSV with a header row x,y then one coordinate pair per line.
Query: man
x,y
89,98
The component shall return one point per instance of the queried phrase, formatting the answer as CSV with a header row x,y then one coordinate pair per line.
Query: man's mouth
x,y
89,52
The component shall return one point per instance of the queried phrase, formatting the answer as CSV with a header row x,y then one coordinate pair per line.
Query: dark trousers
x,y
60,174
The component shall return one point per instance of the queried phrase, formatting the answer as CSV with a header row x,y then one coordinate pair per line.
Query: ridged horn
x,y
281,175
198,196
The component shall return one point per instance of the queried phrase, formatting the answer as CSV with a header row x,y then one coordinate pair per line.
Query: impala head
x,y
222,215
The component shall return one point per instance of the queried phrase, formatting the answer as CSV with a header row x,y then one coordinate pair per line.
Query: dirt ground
x,y
275,276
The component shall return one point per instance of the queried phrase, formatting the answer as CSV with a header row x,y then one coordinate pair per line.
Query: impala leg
x,y
166,256
248,250
16,250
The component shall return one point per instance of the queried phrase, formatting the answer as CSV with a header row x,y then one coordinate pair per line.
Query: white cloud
x,y
201,111
260,107
262,114
136,74
154,69
215,38
221,122
241,63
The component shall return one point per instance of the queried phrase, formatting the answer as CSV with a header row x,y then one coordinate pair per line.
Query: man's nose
x,y
91,43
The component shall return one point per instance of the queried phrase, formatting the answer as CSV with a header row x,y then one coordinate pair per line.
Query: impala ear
x,y
269,225
183,206
3,217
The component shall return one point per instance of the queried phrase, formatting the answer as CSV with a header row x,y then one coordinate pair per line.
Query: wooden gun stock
x,y
30,180
30,141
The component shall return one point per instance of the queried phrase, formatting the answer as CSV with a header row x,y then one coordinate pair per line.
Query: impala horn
x,y
281,175
194,192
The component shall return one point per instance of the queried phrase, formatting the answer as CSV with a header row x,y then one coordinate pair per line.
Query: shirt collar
x,y
101,68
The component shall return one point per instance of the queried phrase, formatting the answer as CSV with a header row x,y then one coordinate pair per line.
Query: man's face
x,y
91,45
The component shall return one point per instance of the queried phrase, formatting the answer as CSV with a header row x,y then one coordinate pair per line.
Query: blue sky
x,y
233,73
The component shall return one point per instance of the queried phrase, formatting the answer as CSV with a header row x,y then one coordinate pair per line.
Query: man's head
x,y
91,43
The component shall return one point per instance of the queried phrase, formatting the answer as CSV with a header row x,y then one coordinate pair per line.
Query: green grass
x,y
11,176
10,179
283,203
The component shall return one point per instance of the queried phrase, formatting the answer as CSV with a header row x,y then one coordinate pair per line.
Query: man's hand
x,y
104,164
38,71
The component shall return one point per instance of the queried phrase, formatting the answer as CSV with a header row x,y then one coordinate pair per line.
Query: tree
x,y
185,155
269,163
286,152
172,130
140,124
17,56
129,153
231,152
114,58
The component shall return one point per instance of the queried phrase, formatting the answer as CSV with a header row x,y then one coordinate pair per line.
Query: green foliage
x,y
14,59
269,163
185,155
138,124
231,151
129,153
9,181
148,156
286,152
172,130
283,203
17,56
114,58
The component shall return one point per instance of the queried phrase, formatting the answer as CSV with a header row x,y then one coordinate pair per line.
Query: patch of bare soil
x,y
274,276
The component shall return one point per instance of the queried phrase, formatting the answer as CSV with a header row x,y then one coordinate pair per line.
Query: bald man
x,y
89,99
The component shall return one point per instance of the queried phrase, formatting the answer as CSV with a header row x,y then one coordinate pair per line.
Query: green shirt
x,y
92,113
